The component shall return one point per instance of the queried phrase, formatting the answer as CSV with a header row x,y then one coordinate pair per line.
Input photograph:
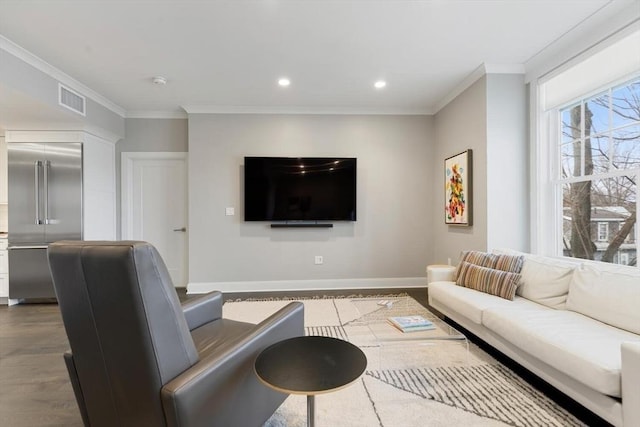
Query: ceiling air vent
x,y
71,100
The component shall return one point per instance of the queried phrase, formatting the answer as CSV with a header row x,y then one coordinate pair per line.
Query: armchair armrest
x,y
204,309
223,389
630,374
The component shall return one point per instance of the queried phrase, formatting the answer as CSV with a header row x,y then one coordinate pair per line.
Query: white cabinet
x,y
99,187
4,262
3,171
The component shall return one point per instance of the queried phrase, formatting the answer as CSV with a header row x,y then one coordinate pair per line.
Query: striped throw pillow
x,y
482,259
510,263
488,280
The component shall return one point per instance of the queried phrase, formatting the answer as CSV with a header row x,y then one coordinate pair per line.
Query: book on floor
x,y
411,323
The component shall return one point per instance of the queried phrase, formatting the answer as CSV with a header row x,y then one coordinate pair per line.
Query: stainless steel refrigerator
x,y
45,205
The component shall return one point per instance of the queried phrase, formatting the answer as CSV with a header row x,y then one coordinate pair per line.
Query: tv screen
x,y
299,189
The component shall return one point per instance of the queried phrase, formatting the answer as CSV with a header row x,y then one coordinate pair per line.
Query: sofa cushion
x,y
581,347
468,302
545,281
488,280
610,296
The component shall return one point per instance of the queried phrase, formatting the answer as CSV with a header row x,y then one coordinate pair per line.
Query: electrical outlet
x,y
319,259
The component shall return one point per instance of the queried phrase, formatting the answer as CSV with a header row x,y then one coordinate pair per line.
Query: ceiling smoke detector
x,y
159,80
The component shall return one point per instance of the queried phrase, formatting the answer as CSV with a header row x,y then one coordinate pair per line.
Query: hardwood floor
x,y
34,386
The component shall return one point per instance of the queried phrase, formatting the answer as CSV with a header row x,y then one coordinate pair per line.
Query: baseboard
x,y
305,285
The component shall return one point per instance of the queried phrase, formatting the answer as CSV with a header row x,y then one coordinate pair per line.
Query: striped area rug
x,y
327,331
415,384
490,391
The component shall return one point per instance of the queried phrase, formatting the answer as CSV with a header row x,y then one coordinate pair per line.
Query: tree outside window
x,y
599,154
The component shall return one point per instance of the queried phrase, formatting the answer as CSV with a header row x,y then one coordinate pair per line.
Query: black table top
x,y
310,365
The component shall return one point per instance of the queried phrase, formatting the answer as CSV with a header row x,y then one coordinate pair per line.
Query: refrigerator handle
x,y
36,166
47,165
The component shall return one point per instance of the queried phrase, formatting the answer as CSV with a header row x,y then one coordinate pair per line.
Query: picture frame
x,y
458,189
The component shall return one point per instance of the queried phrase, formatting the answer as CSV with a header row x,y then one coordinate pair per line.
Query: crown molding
x,y
223,109
156,114
41,65
504,68
60,135
476,74
610,23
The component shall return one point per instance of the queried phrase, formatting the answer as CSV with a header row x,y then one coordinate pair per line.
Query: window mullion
x,y
582,137
610,131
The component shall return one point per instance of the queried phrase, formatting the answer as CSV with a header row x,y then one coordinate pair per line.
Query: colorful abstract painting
x,y
457,176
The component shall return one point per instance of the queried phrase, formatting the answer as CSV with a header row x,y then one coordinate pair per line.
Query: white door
x,y
154,206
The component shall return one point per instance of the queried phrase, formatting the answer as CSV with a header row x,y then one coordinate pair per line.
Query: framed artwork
x,y
457,189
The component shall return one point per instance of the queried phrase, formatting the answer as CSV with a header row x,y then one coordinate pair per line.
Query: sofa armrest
x,y
223,387
204,309
630,374
441,273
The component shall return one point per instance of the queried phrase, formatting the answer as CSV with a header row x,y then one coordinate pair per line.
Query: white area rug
x,y
410,384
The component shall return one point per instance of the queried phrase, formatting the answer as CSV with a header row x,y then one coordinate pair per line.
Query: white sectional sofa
x,y
573,323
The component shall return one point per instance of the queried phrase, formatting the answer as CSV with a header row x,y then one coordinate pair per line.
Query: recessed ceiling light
x,y
159,80
380,84
284,82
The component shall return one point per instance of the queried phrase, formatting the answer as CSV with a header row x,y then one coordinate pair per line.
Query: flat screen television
x,y
299,189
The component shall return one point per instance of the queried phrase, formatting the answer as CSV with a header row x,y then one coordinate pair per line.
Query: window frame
x,y
623,256
550,181
604,232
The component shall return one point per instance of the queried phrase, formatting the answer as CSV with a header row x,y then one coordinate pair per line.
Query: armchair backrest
x,y
125,325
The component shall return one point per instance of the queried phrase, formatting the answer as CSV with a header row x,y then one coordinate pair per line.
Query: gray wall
x,y
489,117
390,239
459,126
154,135
39,86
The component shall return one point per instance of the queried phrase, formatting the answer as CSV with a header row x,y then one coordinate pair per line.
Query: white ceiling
x,y
228,55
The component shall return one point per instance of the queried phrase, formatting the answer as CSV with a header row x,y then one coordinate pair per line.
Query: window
x,y
624,258
603,231
598,154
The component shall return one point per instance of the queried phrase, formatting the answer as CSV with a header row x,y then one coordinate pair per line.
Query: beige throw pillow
x,y
488,280
482,259
510,263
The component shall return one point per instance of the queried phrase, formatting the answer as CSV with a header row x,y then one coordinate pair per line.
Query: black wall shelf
x,y
302,225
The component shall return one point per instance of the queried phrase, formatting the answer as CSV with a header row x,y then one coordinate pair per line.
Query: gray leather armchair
x,y
139,358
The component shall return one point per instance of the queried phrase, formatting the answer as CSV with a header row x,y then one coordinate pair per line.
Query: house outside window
x,y
598,151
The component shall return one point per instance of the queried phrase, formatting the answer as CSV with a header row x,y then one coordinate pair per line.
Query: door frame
x,y
126,184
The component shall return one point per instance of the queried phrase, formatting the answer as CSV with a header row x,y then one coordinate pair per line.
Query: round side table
x,y
310,365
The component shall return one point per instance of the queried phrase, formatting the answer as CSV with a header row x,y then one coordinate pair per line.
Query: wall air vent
x,y
71,100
